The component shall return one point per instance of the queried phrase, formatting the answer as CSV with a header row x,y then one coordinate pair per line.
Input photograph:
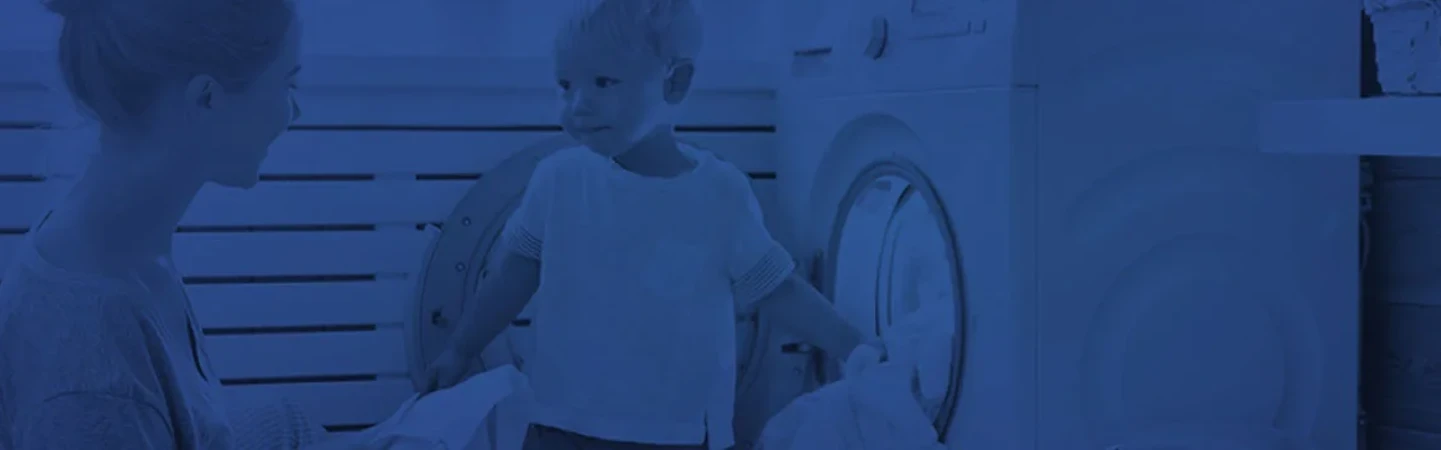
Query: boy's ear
x,y
204,92
678,80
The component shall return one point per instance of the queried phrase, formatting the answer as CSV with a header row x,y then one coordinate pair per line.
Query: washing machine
x,y
463,250
1077,187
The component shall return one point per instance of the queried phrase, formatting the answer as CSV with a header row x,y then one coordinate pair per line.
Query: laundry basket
x,y
1408,45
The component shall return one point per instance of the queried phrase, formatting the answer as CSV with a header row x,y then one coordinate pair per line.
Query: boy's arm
x,y
508,289
497,303
796,305
763,276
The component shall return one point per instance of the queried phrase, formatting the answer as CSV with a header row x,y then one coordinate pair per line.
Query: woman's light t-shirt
x,y
641,279
97,362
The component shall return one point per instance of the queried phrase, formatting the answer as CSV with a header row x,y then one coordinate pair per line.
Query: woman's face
x,y
241,126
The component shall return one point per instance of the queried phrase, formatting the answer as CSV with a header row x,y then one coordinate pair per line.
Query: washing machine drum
x,y
892,266
460,257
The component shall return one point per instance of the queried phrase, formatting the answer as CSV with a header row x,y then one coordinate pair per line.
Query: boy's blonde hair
x,y
670,30
116,54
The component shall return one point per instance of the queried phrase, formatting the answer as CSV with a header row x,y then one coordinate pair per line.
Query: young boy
x,y
639,252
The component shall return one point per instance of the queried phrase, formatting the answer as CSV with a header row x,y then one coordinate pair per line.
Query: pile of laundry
x,y
879,405
888,405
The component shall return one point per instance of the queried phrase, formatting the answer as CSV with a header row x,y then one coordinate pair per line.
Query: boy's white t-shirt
x,y
641,279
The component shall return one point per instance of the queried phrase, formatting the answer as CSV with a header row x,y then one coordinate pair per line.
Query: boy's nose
x,y
580,104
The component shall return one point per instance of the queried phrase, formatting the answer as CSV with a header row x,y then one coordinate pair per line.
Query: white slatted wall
x,y
28,109
301,282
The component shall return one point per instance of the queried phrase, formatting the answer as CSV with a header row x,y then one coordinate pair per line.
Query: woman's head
x,y
213,79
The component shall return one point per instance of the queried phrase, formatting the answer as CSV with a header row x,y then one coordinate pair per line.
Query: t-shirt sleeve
x,y
757,264
93,420
525,230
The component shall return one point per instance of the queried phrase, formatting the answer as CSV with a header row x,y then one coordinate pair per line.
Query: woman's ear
x,y
678,80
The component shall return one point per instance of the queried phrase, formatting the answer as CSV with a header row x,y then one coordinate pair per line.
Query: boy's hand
x,y
447,370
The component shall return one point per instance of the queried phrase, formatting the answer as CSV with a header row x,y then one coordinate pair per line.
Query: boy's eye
x,y
605,82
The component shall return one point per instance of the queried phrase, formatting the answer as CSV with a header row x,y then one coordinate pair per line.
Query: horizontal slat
x,y
500,107
444,152
22,152
493,72
255,305
324,252
505,72
39,67
298,253
1392,126
340,403
26,97
28,107
27,68
443,90
328,202
263,356
426,91
295,253
22,203
341,202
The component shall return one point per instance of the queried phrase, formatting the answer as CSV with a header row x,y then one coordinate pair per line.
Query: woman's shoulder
x,y
58,337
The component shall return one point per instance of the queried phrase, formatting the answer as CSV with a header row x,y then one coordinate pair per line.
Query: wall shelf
x,y
1383,126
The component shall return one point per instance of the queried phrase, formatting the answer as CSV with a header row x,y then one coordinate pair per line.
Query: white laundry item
x,y
488,411
924,340
874,410
879,405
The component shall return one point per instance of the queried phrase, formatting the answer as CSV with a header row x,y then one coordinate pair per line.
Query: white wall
x,y
737,29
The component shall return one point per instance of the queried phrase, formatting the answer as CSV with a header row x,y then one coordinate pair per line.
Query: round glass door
x,y
895,271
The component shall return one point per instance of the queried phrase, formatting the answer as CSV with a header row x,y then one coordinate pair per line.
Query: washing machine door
x,y
459,260
892,258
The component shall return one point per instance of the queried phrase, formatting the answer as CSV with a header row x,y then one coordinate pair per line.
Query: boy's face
x,y
611,99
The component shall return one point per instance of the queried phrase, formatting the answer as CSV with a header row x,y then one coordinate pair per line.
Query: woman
x,y
98,343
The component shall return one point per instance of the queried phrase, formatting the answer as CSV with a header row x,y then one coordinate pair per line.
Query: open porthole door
x,y
460,259
891,265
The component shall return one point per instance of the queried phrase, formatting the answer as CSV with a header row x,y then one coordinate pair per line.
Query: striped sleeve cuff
x,y
763,277
522,241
